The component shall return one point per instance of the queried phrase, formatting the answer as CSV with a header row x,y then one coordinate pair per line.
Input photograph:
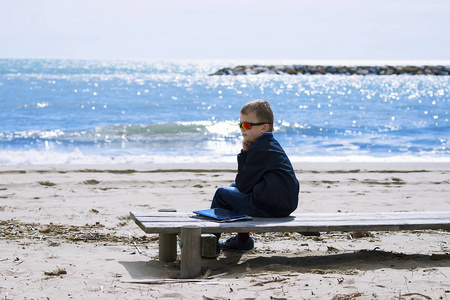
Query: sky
x,y
226,29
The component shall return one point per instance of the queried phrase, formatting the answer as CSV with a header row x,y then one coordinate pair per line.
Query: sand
x,y
66,234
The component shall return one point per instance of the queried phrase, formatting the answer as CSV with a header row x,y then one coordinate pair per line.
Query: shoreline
x,y
219,166
73,221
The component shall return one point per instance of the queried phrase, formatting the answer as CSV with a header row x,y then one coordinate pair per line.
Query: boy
x,y
265,185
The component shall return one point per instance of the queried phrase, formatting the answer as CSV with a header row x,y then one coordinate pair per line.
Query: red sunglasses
x,y
247,126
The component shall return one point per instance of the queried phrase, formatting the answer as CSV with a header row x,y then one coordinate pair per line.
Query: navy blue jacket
x,y
264,170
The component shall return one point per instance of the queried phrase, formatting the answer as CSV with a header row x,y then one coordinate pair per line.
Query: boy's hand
x,y
246,145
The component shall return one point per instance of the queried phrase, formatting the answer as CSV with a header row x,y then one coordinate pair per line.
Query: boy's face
x,y
252,134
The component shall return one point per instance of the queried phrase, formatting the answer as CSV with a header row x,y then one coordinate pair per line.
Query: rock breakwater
x,y
343,70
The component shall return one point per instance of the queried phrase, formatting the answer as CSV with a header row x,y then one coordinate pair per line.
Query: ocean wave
x,y
208,136
129,133
210,130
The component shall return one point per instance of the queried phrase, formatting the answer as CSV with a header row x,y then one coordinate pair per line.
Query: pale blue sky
x,y
226,29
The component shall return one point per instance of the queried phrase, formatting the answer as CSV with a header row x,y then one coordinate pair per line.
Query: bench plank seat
x,y
169,224
312,222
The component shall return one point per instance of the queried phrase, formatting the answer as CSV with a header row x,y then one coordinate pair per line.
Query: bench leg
x,y
167,246
191,261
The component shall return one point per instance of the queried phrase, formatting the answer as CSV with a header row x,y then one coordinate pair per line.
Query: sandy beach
x,y
66,234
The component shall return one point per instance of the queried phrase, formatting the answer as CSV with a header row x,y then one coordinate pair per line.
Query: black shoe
x,y
236,244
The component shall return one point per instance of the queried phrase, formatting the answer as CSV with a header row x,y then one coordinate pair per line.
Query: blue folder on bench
x,y
222,215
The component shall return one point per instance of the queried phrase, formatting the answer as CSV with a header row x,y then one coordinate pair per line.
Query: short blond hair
x,y
262,110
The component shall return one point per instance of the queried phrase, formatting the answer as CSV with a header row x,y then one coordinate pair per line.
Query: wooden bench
x,y
169,224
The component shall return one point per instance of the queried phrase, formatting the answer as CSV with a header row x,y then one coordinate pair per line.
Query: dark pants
x,y
232,199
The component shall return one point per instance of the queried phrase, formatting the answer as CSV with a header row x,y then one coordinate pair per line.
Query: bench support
x,y
191,261
167,247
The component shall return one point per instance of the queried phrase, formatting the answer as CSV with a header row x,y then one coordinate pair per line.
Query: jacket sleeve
x,y
250,170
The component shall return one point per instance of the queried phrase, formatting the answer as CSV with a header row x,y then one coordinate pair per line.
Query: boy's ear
x,y
266,127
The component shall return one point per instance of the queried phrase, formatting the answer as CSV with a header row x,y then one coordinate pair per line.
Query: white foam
x,y
374,159
34,157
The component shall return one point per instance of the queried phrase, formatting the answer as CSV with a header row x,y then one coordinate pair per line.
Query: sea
x,y
175,111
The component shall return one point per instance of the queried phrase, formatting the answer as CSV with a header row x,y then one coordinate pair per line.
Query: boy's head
x,y
258,111
262,110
